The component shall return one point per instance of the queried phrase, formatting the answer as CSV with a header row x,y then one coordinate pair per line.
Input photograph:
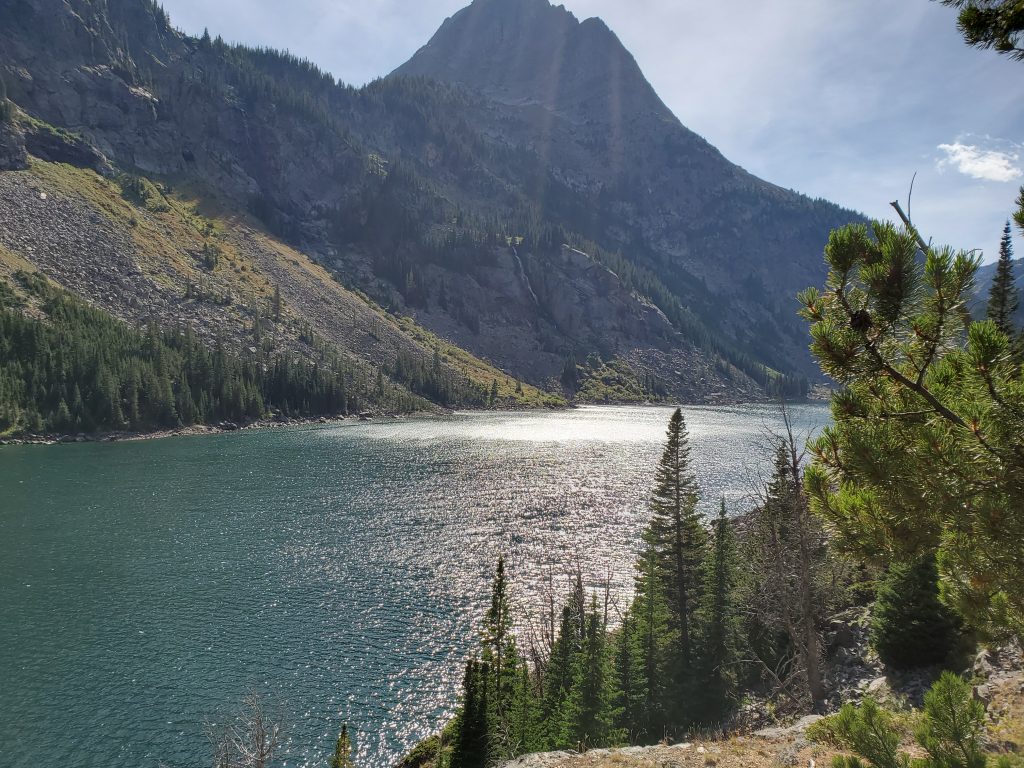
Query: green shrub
x,y
910,627
952,731
824,732
870,732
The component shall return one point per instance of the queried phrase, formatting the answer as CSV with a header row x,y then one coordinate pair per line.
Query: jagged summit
x,y
529,51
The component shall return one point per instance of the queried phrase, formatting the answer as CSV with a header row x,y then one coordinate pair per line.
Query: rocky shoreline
x,y
196,429
279,422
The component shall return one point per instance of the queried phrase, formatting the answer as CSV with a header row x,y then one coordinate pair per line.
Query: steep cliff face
x,y
714,234
451,201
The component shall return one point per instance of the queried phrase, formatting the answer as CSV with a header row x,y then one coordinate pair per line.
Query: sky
x,y
841,99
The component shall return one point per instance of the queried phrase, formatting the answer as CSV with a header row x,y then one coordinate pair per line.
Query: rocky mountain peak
x,y
529,51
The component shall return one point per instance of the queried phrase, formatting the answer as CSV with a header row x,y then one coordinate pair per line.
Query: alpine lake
x,y
340,571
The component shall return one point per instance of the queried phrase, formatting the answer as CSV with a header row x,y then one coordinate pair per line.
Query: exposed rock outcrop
x,y
13,155
56,146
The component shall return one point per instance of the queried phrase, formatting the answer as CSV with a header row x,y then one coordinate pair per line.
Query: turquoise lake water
x,y
337,570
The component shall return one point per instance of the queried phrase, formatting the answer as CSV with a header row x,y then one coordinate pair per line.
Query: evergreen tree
x,y
343,750
501,657
6,110
570,375
996,24
472,740
525,725
653,639
953,728
925,451
277,304
557,712
910,627
1002,297
678,537
592,691
719,621
629,691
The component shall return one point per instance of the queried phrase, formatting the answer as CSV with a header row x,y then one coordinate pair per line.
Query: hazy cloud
x,y
987,164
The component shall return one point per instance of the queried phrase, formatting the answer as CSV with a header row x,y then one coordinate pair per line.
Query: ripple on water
x,y
340,571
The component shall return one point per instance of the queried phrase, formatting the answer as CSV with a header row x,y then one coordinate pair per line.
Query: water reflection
x,y
338,570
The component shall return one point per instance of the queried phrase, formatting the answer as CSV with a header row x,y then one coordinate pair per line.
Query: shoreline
x,y
224,427
195,430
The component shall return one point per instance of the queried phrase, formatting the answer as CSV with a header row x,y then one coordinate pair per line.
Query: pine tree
x,y
497,632
719,621
277,304
592,692
472,740
558,681
910,627
1003,299
996,24
501,657
953,728
343,750
679,539
928,417
525,725
570,376
629,692
653,639
6,110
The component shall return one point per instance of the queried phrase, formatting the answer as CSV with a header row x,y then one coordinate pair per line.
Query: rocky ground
x,y
782,749
149,263
854,672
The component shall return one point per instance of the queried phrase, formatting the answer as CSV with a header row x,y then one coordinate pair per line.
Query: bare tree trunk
x,y
789,567
250,741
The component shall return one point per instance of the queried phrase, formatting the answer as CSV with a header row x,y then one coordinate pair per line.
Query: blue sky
x,y
844,99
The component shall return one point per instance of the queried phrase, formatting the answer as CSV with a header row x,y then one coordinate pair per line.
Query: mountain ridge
x,y
437,201
610,133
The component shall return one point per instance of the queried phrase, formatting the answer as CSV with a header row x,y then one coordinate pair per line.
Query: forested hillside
x,y
148,257
76,369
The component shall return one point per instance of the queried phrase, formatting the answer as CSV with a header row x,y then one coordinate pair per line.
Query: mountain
x,y
517,189
734,249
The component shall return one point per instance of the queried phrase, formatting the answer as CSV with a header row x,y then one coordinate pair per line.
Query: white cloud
x,y
978,163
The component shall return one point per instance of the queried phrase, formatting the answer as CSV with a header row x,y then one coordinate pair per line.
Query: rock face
x,y
57,147
706,227
13,155
418,192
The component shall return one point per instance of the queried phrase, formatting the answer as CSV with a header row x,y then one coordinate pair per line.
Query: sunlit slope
x,y
145,253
